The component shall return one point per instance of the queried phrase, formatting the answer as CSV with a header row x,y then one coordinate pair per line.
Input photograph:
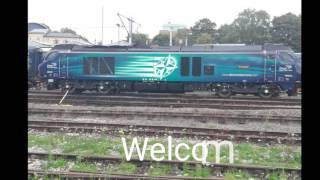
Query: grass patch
x,y
159,170
198,171
278,155
45,177
123,168
55,163
277,176
127,167
58,163
244,153
74,144
237,175
84,167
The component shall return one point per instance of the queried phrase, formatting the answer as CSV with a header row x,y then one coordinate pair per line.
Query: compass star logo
x,y
165,67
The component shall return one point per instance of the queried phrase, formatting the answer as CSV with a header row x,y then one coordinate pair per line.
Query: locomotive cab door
x,y
63,67
270,68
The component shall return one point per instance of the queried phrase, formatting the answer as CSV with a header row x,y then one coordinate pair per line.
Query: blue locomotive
x,y
36,53
264,70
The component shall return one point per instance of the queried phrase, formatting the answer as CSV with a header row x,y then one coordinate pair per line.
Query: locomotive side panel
x,y
166,67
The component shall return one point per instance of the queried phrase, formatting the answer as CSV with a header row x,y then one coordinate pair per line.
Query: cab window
x,y
196,66
52,56
107,65
91,65
286,58
98,66
185,61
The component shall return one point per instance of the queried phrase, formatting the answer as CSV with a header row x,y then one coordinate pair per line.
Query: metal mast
x,y
170,31
118,25
102,28
131,21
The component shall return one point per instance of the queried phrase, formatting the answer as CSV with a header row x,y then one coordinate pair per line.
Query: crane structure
x,y
131,21
102,28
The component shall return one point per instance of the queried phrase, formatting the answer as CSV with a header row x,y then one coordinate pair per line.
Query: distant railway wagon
x,y
226,70
35,57
36,53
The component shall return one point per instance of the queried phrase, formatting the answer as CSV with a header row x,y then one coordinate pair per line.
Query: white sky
x,y
84,16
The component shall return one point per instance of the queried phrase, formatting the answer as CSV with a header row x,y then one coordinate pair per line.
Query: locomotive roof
x,y
211,48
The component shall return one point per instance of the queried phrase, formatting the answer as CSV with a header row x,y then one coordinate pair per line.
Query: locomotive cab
x,y
298,70
48,70
289,71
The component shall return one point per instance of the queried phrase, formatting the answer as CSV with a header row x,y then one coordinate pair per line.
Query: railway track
x,y
176,95
217,169
152,130
201,117
163,101
102,175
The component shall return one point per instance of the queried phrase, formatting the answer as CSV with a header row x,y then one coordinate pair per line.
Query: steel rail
x,y
202,117
101,175
171,95
217,167
152,130
182,99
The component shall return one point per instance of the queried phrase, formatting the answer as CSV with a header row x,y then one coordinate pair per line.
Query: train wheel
x,y
71,90
104,89
37,85
292,92
29,85
77,91
51,86
276,93
265,93
224,92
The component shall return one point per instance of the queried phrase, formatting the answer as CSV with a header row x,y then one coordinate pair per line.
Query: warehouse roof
x,y
32,26
119,43
39,31
60,34
34,44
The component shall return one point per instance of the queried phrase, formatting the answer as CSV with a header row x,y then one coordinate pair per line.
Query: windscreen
x,y
297,59
51,56
286,58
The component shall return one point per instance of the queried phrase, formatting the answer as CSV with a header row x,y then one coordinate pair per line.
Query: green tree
x,y
67,30
181,35
84,38
202,26
252,27
204,38
287,29
140,39
227,34
161,40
